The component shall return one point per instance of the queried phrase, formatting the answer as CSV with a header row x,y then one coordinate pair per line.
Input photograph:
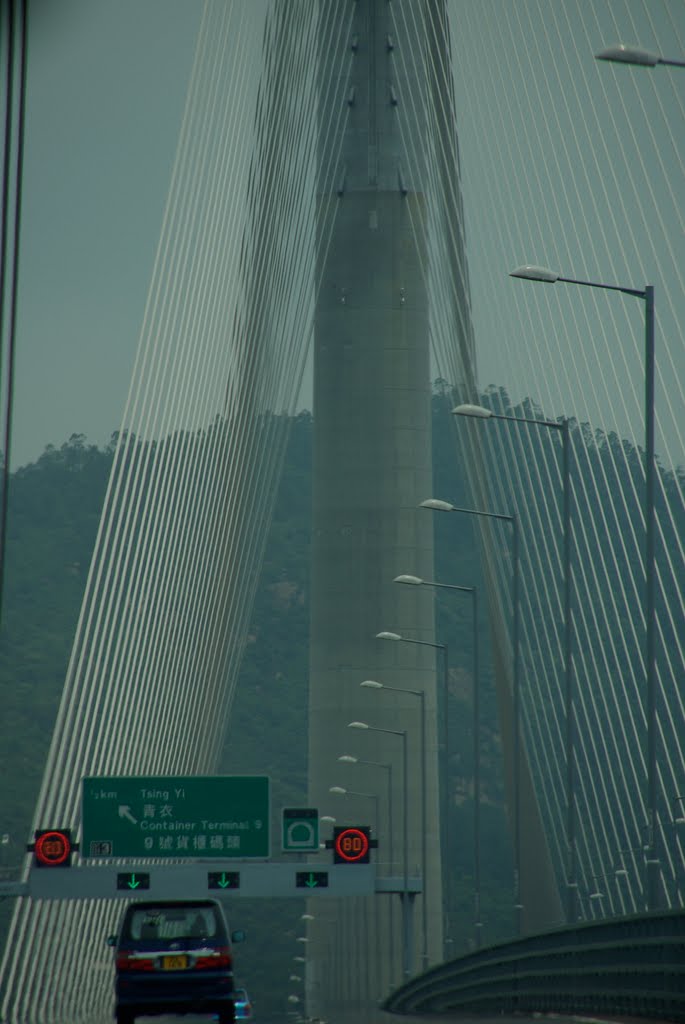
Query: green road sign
x,y
202,816
300,832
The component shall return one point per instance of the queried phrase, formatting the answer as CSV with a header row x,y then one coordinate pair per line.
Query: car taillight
x,y
221,957
127,962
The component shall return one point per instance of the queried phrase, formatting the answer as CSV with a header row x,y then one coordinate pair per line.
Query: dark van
x,y
174,957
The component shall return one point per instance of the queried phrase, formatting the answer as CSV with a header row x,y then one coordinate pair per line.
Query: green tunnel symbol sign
x,y
300,829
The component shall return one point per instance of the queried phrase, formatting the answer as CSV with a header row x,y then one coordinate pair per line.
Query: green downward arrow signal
x,y
131,880
223,881
311,881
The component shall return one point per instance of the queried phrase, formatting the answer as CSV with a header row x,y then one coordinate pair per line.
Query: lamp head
x,y
385,635
531,273
357,725
348,759
476,411
621,54
437,505
414,581
337,789
371,684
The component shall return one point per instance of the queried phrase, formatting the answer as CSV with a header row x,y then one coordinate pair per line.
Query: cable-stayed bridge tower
x,y
372,441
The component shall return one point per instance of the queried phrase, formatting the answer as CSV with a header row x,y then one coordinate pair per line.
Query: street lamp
x,y
532,273
406,916
444,815
480,412
341,791
349,759
435,504
387,766
372,684
622,54
476,778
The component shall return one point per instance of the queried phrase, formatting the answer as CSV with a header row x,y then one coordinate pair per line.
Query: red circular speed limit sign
x,y
52,849
351,845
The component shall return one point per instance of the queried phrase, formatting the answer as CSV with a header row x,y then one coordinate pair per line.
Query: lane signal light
x,y
133,880
52,848
223,879
352,844
311,879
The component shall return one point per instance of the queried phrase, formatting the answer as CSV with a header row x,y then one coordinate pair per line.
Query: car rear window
x,y
160,922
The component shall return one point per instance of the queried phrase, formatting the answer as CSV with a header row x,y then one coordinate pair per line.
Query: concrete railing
x,y
631,966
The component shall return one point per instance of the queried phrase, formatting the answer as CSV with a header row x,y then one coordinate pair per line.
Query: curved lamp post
x,y
387,766
342,791
476,774
480,412
417,581
406,915
372,684
398,637
349,759
542,274
621,54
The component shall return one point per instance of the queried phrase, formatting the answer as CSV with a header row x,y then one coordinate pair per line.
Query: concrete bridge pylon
x,y
372,468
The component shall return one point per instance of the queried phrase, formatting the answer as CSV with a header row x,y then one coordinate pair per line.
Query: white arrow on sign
x,y
125,812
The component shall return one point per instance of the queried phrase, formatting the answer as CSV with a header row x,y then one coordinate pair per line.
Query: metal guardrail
x,y
631,966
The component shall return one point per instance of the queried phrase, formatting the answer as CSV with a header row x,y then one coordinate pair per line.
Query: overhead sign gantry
x,y
213,828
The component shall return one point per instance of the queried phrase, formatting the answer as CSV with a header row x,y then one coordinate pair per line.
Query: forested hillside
x,y
54,510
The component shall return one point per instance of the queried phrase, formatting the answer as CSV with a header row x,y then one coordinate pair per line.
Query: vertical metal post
x,y
391,852
517,734
476,773
406,905
571,881
446,863
424,835
652,863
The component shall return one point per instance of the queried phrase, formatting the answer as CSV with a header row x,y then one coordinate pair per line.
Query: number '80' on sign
x,y
351,844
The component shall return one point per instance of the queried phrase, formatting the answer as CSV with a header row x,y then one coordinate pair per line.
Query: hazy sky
x,y
566,162
106,86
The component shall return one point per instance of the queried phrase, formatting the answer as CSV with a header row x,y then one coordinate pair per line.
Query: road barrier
x,y
632,966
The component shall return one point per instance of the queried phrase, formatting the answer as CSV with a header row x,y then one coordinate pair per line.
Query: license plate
x,y
174,963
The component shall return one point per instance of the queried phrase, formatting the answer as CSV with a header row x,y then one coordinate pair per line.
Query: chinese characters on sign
x,y
200,816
